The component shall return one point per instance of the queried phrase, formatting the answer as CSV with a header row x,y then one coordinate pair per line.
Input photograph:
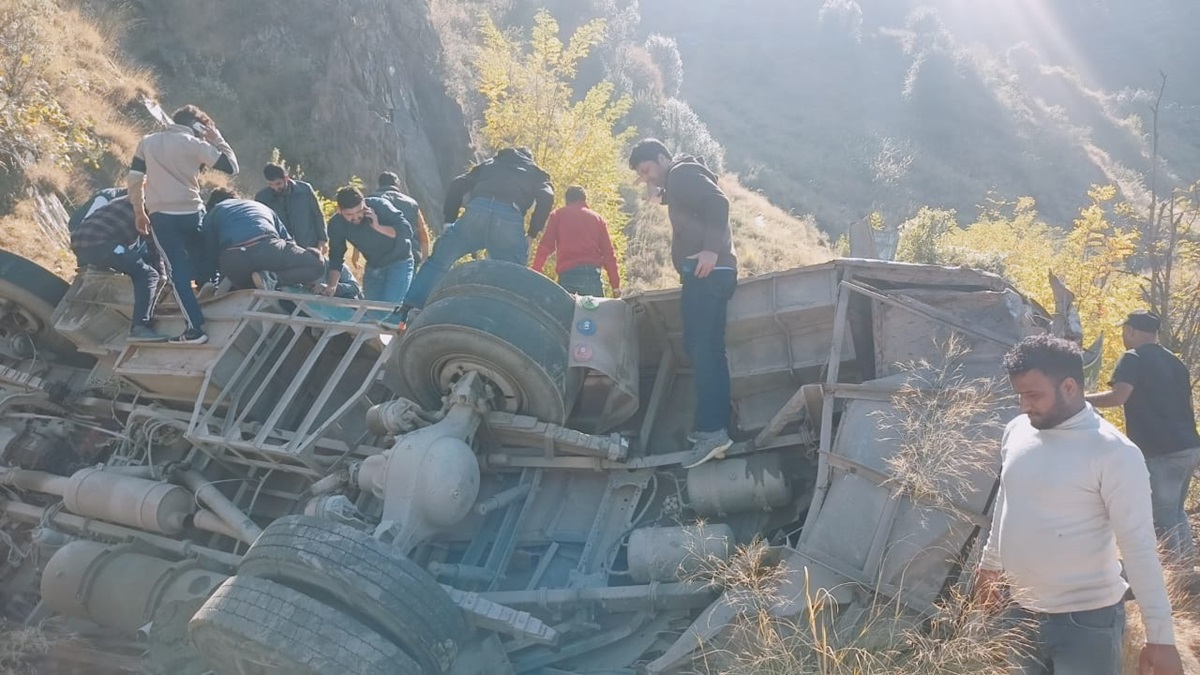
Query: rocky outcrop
x,y
343,89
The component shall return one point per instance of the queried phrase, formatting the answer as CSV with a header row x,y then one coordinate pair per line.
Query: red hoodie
x,y
580,236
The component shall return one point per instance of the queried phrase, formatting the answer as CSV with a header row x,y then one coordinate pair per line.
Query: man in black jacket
x,y
702,252
502,189
389,189
296,204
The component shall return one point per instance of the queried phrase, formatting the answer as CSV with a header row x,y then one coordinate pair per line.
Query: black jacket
x,y
380,250
699,213
299,210
511,177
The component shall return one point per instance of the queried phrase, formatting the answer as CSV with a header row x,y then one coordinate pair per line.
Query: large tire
x,y
510,344
511,282
255,625
384,590
37,291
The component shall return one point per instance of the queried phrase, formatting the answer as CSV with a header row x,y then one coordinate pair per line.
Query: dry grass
x,y
767,239
21,648
78,135
1186,606
25,234
881,638
946,424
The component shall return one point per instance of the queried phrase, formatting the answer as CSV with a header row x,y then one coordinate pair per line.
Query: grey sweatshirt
x,y
166,169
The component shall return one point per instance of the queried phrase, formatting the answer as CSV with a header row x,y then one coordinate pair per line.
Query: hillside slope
x,y
843,107
345,89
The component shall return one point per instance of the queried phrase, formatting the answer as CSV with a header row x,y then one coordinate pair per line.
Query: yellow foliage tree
x,y
531,102
1093,259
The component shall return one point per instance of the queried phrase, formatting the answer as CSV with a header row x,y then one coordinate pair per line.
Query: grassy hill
x,y
842,107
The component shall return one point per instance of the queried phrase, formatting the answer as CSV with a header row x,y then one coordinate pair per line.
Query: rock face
x,y
342,88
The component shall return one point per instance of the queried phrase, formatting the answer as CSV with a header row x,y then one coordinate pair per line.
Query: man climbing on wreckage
x,y
502,189
703,254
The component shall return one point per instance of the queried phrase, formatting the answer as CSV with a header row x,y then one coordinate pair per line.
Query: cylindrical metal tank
x,y
677,553
118,587
738,485
128,500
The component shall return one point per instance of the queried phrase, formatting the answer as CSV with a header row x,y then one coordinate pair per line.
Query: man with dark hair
x,y
382,234
502,189
164,186
703,254
578,236
1156,390
1073,490
109,238
296,204
252,246
389,189
97,200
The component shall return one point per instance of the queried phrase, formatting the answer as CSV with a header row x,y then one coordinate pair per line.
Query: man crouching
x,y
253,248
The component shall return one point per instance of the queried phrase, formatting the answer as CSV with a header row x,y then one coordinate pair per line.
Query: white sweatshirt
x,y
1069,496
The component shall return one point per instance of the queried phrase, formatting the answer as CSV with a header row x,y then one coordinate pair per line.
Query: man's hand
x,y
1160,660
616,292
211,133
989,590
328,290
705,262
142,222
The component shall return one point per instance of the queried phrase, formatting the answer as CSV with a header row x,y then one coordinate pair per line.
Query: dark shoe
x,y
264,280
190,337
141,333
709,445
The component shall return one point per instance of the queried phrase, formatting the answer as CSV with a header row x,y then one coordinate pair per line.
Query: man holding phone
x,y
385,238
702,251
164,187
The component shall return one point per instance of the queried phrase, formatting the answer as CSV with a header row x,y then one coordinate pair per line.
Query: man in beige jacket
x,y
164,186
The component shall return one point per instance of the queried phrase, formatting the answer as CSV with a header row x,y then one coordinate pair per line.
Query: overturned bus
x,y
498,489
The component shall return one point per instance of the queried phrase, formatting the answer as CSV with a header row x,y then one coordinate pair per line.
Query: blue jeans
x,y
1170,478
486,224
135,262
582,280
347,286
176,236
702,305
388,283
1073,643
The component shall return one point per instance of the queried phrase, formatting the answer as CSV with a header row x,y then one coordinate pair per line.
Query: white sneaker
x,y
264,280
709,445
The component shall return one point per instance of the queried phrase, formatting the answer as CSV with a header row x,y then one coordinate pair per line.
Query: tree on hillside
x,y
1093,259
685,133
665,54
531,102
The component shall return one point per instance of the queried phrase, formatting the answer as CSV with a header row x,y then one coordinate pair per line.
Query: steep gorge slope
x,y
342,89
842,107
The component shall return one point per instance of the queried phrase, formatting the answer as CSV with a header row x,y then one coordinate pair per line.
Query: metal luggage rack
x,y
293,383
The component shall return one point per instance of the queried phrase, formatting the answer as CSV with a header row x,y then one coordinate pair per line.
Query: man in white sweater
x,y
1073,489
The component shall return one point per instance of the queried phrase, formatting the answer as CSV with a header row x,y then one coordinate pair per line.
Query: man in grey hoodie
x,y
703,254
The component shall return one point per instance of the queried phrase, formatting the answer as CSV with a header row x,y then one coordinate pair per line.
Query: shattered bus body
x,y
498,489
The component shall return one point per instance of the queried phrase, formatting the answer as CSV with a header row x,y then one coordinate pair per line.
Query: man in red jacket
x,y
579,236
